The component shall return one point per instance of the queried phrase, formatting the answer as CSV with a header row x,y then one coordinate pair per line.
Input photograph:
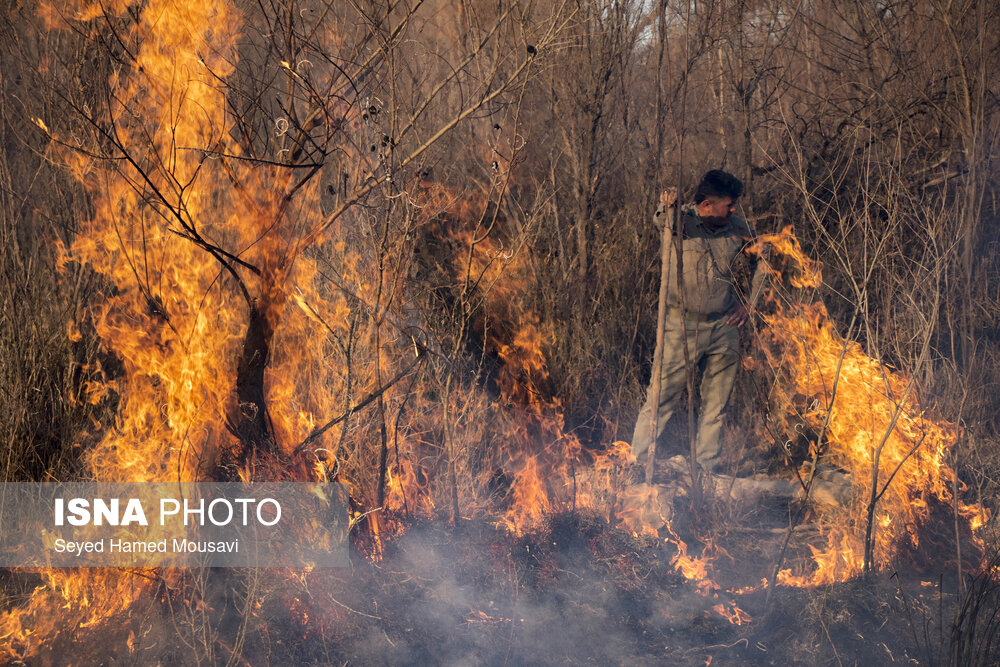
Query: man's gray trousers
x,y
714,348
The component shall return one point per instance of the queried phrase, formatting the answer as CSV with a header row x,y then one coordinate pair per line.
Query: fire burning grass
x,y
573,591
243,328
868,420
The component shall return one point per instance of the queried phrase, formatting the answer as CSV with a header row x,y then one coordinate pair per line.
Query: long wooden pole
x,y
681,294
654,385
661,319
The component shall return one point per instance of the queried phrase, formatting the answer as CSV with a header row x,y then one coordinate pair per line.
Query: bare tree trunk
x,y
251,422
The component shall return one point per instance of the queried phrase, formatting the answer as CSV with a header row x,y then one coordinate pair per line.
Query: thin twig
x,y
361,404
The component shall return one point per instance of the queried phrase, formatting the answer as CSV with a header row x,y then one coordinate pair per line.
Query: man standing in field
x,y
713,310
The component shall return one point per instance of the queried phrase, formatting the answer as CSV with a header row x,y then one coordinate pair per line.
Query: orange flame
x,y
875,429
157,318
732,613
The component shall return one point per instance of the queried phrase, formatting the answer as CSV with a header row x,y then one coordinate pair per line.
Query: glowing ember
x,y
479,616
732,613
749,589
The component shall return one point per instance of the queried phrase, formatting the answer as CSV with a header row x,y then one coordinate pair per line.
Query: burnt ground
x,y
575,592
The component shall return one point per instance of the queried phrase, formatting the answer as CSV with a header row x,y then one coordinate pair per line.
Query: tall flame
x,y
876,429
157,313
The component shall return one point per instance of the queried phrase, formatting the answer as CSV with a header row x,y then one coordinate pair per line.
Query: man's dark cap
x,y
718,183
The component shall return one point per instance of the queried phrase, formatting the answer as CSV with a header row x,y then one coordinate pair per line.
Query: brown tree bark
x,y
249,418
